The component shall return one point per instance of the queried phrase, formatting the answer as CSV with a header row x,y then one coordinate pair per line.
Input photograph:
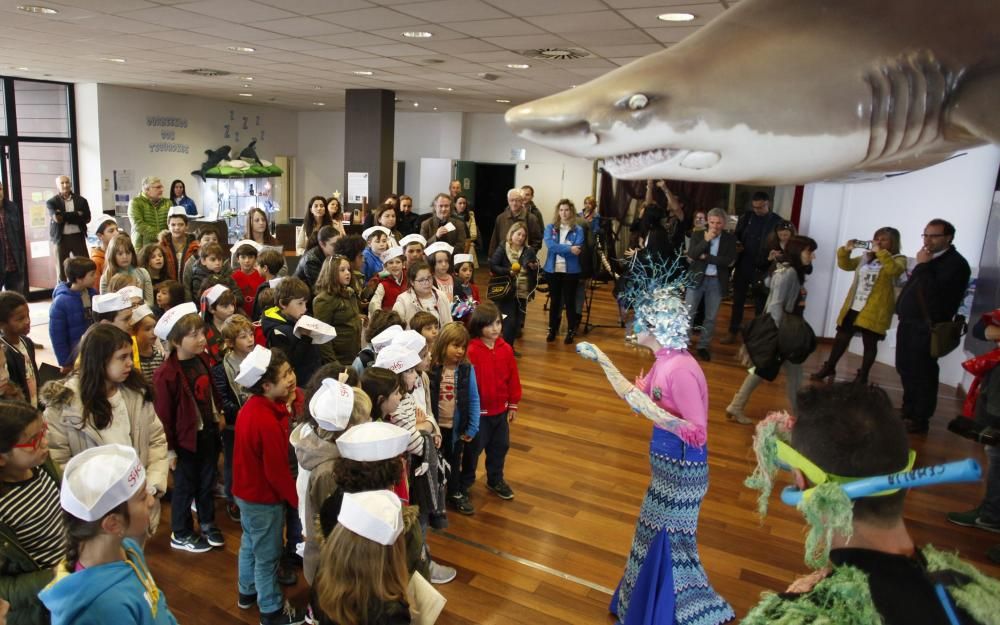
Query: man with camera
x,y
931,296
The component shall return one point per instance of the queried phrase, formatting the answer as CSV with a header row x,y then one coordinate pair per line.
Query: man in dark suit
x,y
69,214
443,226
932,294
711,252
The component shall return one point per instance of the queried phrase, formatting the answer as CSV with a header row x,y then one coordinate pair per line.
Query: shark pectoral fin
x,y
974,107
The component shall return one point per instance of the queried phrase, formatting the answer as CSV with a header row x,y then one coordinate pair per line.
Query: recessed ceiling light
x,y
246,78
363,73
113,59
31,8
23,69
245,95
572,86
518,65
446,89
241,49
435,108
416,104
675,17
319,103
246,85
503,101
417,34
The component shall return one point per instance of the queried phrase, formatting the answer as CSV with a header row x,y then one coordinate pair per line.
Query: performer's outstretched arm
x,y
638,400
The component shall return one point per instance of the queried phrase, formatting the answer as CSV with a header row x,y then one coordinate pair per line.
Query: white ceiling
x,y
308,50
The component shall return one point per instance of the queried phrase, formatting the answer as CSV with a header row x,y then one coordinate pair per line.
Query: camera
x,y
862,245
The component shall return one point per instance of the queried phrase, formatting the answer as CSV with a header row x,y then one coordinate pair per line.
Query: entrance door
x,y
492,184
465,172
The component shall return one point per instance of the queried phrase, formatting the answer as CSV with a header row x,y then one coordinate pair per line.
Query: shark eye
x,y
637,102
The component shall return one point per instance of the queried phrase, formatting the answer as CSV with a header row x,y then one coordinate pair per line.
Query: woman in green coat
x,y
871,301
336,303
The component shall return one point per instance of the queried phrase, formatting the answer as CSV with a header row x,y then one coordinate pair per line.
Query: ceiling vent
x,y
488,76
206,72
433,61
556,54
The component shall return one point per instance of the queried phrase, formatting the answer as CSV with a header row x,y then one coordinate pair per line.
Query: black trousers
x,y
70,245
918,370
194,480
741,288
562,294
515,310
462,457
494,439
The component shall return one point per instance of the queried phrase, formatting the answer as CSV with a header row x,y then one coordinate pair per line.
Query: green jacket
x,y
147,219
344,314
878,310
21,579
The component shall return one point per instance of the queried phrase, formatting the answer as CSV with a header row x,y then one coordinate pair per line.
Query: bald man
x,y
69,214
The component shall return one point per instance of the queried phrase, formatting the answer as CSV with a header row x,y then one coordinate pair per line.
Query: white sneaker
x,y
441,574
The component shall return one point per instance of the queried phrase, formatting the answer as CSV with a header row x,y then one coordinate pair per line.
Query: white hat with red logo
x,y
99,479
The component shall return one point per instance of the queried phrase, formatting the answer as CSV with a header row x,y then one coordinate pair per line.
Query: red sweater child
x,y
392,290
260,454
248,284
496,376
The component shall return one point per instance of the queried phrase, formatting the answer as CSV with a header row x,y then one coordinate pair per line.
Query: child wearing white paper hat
x,y
114,309
262,481
413,247
104,578
390,282
106,401
218,303
377,239
466,292
279,322
382,326
189,407
439,258
363,577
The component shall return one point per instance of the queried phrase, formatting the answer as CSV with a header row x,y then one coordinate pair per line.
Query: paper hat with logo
x,y
99,479
382,340
412,238
253,366
461,258
130,292
397,359
373,441
177,211
104,222
410,339
439,246
332,405
110,302
214,293
139,313
373,230
392,252
171,317
376,515
319,331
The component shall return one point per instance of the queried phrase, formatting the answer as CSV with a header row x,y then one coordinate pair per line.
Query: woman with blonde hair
x,y
517,259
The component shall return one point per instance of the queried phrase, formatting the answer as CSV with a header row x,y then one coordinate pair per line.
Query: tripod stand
x,y
592,287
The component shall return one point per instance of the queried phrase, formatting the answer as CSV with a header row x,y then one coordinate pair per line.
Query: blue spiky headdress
x,y
656,292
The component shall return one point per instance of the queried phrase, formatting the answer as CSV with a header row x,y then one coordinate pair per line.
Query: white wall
x,y
426,135
129,141
319,167
960,191
88,142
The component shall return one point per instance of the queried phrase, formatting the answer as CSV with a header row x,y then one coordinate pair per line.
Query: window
x,y
42,109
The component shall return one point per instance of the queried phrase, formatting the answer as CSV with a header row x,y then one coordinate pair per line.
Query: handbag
x,y
500,288
945,335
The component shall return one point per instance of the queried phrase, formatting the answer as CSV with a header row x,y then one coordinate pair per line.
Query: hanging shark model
x,y
791,91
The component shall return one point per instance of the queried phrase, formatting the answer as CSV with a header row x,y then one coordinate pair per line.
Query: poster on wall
x,y
124,179
357,187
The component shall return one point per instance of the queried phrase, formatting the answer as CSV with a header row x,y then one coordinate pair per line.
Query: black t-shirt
x,y
200,382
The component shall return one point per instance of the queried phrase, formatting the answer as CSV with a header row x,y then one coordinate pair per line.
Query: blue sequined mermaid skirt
x,y
664,582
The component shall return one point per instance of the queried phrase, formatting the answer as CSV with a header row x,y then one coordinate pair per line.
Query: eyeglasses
x,y
422,280
35,440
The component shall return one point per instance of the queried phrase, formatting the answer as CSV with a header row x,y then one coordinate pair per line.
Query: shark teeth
x,y
626,164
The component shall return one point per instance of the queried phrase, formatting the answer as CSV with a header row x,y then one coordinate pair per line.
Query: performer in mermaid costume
x,y
664,582
847,450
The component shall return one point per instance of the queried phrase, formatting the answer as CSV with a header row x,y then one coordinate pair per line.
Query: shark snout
x,y
552,120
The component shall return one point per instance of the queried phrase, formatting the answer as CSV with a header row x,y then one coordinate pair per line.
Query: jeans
x,y
711,290
514,309
228,439
562,294
494,439
462,457
989,510
194,480
918,370
260,552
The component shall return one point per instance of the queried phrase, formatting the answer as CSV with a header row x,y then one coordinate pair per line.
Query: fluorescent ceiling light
x,y
245,95
518,65
319,103
675,17
363,73
445,89
113,59
241,49
39,10
417,34
503,101
246,78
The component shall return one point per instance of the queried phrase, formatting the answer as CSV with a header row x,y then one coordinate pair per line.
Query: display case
x,y
230,199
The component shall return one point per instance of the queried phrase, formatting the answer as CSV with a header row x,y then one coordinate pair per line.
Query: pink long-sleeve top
x,y
677,384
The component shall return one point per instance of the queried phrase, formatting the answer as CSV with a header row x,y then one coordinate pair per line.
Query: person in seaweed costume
x,y
664,582
868,571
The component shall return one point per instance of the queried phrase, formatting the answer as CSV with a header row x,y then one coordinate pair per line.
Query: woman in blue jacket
x,y
564,240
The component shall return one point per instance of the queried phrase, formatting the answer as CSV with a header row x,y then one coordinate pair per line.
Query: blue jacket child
x,y
68,320
373,264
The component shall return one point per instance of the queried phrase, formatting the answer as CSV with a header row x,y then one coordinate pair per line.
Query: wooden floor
x,y
579,468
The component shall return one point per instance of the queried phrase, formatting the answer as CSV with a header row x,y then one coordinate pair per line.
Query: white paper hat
x,y
376,515
382,340
373,441
139,313
110,302
410,339
99,479
319,331
392,252
439,246
274,282
171,317
253,366
130,292
332,405
177,211
214,293
370,231
412,238
105,220
236,246
397,358
461,258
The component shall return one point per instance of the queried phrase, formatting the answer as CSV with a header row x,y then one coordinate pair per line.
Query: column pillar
x,y
369,129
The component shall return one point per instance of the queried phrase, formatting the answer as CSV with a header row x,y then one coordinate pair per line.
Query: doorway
x,y
492,184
